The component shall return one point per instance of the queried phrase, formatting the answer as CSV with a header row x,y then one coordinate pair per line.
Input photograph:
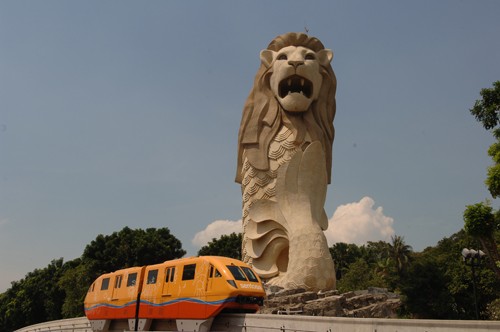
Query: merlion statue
x,y
284,164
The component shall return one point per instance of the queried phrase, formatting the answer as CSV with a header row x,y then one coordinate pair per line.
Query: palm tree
x,y
383,268
399,253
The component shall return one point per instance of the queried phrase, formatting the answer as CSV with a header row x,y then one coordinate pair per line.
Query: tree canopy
x,y
480,220
487,109
434,283
439,285
226,245
36,298
131,247
58,290
399,253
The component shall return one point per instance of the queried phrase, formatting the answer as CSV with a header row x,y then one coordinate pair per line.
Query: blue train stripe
x,y
110,305
190,299
182,299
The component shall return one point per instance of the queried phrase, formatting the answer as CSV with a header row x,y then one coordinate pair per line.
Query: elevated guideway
x,y
256,322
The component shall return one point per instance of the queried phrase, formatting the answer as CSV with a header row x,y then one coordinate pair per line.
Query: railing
x,y
80,324
297,323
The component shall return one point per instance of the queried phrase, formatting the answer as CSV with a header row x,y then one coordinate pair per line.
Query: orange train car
x,y
183,294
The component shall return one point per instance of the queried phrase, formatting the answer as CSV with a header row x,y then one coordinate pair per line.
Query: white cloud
x,y
215,230
359,223
356,222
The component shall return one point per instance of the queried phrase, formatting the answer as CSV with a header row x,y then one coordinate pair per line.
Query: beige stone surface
x,y
284,164
370,303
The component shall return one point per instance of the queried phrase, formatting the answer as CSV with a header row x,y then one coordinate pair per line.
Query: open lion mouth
x,y
297,84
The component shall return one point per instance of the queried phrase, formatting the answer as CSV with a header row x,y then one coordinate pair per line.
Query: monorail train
x,y
178,295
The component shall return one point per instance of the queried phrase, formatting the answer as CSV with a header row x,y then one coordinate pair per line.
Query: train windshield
x,y
237,273
249,273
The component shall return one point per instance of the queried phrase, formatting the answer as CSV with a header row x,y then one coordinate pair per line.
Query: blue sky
x,y
126,113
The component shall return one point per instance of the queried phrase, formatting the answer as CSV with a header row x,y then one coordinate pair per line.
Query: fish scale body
x,y
261,185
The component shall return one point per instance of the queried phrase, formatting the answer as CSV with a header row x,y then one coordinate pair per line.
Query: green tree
x,y
399,253
359,276
34,299
480,223
425,291
376,251
11,309
487,109
226,245
493,310
343,256
131,247
126,248
480,219
75,282
383,268
439,285
374,254
58,290
493,174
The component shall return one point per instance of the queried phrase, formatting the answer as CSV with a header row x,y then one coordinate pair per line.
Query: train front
x,y
236,281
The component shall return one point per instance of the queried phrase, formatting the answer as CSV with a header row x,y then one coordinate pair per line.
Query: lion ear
x,y
325,56
267,57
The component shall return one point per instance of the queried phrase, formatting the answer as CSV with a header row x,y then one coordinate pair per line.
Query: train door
x,y
213,277
169,280
210,278
106,290
118,284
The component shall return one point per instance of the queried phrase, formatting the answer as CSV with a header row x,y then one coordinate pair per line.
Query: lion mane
x,y
263,116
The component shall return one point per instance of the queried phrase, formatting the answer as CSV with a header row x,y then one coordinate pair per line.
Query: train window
x,y
188,272
132,278
216,274
91,288
105,284
152,275
249,273
118,281
172,275
237,273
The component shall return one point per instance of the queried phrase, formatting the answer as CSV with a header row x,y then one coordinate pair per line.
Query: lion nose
x,y
295,63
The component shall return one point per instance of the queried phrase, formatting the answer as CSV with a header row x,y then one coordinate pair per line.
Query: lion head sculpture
x,y
295,84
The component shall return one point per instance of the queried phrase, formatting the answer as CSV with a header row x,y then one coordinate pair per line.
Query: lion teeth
x,y
289,82
302,81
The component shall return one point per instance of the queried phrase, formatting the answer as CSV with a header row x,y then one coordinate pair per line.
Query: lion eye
x,y
310,56
282,57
